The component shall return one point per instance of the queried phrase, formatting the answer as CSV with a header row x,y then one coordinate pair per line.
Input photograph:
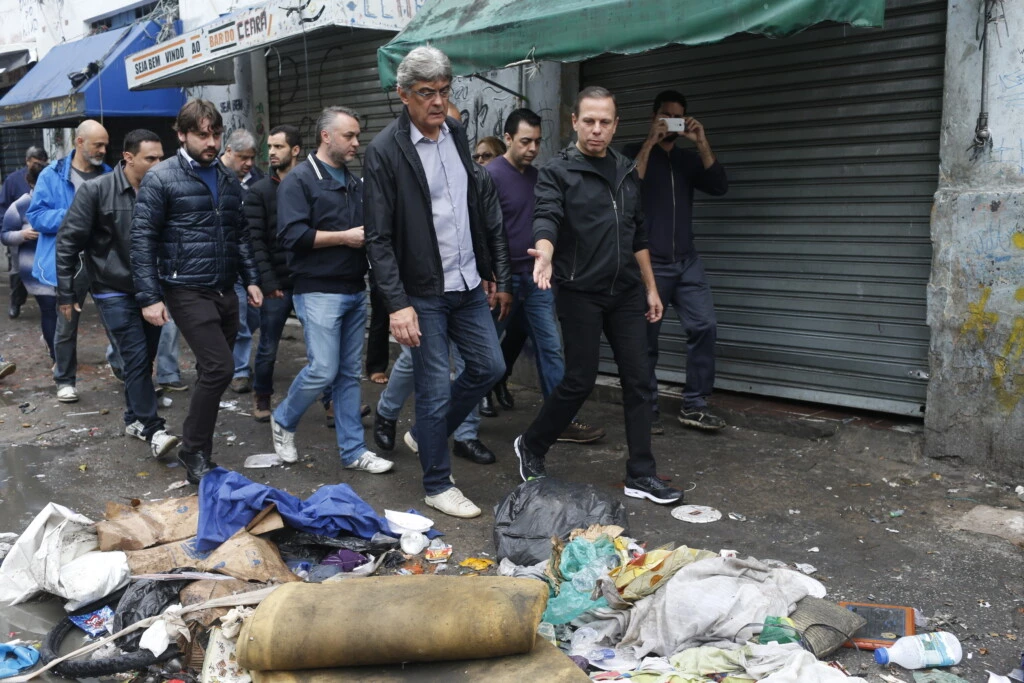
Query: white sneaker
x,y
284,442
411,442
161,443
452,502
67,394
370,462
135,429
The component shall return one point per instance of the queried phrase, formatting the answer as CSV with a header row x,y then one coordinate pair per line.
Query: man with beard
x,y
285,146
320,226
190,242
670,175
55,189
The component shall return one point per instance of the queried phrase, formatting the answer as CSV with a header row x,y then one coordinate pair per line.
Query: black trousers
x,y
378,347
584,316
208,320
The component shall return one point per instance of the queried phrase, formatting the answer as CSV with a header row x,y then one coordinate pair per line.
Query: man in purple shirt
x,y
515,178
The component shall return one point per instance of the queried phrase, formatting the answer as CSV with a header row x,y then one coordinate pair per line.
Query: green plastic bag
x,y
779,630
585,562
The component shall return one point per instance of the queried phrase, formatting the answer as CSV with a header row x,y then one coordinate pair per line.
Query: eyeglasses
x,y
483,157
428,94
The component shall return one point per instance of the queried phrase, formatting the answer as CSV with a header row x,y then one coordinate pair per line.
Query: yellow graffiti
x,y
978,321
1009,387
1018,240
1019,294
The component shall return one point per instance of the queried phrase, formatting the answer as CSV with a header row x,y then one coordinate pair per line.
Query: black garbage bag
x,y
541,508
145,598
301,545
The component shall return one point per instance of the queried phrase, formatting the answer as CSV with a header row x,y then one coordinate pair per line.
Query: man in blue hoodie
x,y
51,200
320,226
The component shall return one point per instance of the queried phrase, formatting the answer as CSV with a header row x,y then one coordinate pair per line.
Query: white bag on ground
x,y
58,554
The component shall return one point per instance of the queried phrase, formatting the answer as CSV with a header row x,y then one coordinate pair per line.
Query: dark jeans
x,y
583,317
464,319
136,341
684,285
517,331
48,319
65,345
208,320
378,349
273,317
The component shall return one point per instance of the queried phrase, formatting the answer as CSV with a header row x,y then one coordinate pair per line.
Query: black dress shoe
x,y
504,396
14,310
487,408
197,465
474,450
384,432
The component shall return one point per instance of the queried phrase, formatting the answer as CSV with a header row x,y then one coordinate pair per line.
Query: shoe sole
x,y
174,389
590,440
696,424
452,514
411,443
70,399
170,445
639,493
368,471
262,418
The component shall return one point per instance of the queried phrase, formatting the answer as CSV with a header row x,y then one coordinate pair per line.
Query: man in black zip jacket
x,y
589,240
97,231
190,242
433,252
320,226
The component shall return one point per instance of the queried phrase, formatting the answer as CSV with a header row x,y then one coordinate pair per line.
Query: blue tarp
x,y
46,93
228,501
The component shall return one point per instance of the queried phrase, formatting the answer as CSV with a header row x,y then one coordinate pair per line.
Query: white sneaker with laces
x,y
67,394
370,462
452,502
411,442
284,442
161,443
135,429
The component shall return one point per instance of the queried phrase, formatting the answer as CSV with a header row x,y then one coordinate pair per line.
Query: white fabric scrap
x,y
804,667
164,631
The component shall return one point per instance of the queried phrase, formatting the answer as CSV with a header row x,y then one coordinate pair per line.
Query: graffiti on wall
x,y
484,109
1000,343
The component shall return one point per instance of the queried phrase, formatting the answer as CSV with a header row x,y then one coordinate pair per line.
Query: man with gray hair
x,y
320,225
51,199
436,258
239,156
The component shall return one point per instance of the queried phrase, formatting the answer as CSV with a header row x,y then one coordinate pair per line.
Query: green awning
x,y
481,35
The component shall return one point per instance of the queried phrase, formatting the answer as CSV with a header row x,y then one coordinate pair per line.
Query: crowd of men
x,y
467,254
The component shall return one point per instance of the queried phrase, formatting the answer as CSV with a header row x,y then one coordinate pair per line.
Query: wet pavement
x,y
832,501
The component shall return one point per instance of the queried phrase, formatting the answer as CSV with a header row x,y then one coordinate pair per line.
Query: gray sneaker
x,y
284,442
370,462
161,443
135,429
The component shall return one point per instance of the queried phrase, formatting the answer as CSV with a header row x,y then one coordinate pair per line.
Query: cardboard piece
x,y
243,556
266,521
199,592
142,524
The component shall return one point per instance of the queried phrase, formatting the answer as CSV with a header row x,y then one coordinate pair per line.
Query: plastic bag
x,y
144,599
541,508
584,560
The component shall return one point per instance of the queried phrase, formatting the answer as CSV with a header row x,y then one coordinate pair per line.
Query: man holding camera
x,y
670,174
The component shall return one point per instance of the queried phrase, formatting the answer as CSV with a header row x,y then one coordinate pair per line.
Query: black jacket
x,y
400,237
261,214
310,199
97,227
596,228
180,238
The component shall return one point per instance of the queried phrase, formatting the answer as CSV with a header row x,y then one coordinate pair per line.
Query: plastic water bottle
x,y
921,651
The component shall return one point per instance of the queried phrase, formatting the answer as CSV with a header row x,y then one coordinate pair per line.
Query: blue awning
x,y
48,94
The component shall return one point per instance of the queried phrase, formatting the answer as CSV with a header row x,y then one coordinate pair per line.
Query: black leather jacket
x,y
399,225
182,238
97,225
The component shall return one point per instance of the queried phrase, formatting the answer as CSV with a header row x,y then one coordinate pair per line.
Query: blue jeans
x,y
401,384
441,405
684,285
167,353
248,322
333,327
273,317
136,342
539,307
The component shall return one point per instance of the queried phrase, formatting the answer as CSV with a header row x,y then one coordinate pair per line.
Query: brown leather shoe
x,y
261,407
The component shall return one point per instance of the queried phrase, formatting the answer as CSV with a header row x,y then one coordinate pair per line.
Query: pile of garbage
x,y
246,583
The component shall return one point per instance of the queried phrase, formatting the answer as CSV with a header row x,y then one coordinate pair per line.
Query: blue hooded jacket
x,y
51,199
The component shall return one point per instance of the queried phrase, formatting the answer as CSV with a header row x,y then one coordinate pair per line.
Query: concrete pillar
x,y
975,410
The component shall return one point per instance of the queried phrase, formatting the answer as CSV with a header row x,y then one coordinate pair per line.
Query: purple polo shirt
x,y
515,190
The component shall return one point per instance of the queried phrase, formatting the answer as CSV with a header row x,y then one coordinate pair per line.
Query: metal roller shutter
x,y
14,142
341,65
819,254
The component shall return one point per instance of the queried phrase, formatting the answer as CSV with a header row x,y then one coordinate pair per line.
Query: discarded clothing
x,y
228,501
710,602
803,667
345,559
15,658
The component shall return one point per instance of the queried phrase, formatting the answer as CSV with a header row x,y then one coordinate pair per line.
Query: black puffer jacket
x,y
97,226
596,227
180,238
261,213
400,238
